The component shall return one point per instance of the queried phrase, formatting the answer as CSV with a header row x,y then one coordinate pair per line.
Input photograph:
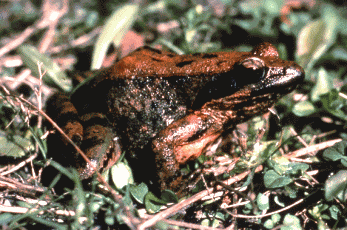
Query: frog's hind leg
x,y
94,136
64,113
100,144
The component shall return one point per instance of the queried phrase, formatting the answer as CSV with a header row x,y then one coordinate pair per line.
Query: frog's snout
x,y
296,72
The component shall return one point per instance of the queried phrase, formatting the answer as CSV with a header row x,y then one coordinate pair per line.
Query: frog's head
x,y
264,73
255,83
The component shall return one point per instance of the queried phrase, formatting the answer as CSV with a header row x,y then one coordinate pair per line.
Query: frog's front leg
x,y
183,140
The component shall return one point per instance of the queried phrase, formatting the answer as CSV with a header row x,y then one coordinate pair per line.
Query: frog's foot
x,y
182,185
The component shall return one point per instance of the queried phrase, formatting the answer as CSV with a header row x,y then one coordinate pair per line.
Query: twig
x,y
20,165
166,213
50,14
302,141
15,185
268,214
12,209
189,225
313,148
170,211
240,176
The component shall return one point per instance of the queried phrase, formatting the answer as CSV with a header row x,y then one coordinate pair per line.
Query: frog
x,y
165,110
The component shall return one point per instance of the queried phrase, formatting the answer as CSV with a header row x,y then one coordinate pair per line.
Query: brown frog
x,y
166,109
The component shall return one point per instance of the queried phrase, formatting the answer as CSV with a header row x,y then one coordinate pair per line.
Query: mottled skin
x,y
173,106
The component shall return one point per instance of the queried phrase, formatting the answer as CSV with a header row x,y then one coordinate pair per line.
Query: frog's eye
x,y
253,63
253,70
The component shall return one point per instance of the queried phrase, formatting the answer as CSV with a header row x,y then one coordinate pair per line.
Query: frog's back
x,y
147,61
149,89
141,107
137,108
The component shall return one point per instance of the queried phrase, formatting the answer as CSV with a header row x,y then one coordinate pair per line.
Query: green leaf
x,y
263,13
273,6
336,153
152,203
336,185
25,204
291,190
317,37
161,225
291,223
247,208
303,109
323,85
269,224
139,192
121,175
317,213
5,218
276,218
280,164
96,203
263,202
114,30
278,202
109,217
53,76
336,54
284,167
273,180
169,196
214,223
297,167
334,104
14,145
334,212
79,197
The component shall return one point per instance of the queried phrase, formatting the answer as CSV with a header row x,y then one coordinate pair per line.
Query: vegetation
x,y
284,170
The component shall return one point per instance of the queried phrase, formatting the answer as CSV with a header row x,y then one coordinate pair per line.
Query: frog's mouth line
x,y
268,91
228,92
283,83
258,97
